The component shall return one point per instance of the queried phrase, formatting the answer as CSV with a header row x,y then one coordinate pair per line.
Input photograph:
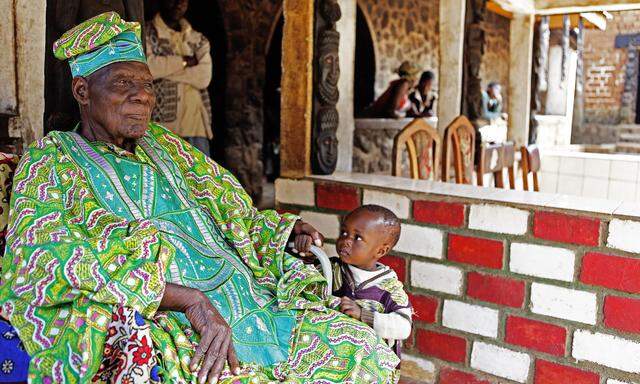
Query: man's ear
x,y
80,90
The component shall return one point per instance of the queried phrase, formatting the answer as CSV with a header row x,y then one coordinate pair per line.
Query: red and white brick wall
x,y
503,292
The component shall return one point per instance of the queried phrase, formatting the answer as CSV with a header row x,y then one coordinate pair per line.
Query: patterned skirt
x,y
326,348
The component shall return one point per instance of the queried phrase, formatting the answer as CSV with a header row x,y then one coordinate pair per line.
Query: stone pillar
x,y
452,14
521,53
8,94
347,29
30,36
297,89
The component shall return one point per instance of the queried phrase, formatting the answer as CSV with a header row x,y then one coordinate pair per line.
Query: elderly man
x,y
132,257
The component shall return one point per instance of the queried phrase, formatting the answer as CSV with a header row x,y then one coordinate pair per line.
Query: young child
x,y
370,291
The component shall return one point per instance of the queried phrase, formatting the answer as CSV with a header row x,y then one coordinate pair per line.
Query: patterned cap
x,y
98,42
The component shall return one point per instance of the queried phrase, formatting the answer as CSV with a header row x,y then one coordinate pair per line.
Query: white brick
x,y
328,225
564,303
436,277
470,318
418,369
542,261
398,204
607,350
299,192
500,362
421,241
623,234
494,218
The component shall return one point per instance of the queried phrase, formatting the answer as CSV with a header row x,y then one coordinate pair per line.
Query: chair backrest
x,y
459,150
423,145
494,158
530,163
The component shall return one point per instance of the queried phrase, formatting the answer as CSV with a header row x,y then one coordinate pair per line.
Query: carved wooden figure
x,y
324,156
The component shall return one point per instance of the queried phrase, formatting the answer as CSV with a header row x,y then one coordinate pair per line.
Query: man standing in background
x,y
180,61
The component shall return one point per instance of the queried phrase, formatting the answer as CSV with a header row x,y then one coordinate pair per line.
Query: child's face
x,y
363,239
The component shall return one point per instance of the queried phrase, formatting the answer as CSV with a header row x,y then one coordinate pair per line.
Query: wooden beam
x,y
297,88
498,10
555,21
595,18
517,6
553,7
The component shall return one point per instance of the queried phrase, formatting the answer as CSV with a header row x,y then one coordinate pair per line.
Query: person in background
x,y
423,98
394,102
180,61
492,102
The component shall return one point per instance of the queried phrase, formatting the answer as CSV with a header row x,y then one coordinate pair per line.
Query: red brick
x,y
615,272
622,313
476,251
291,211
442,346
452,376
566,229
552,373
425,308
494,289
536,335
439,212
398,264
339,197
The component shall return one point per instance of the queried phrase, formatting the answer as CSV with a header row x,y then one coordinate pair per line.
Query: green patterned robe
x,y
94,227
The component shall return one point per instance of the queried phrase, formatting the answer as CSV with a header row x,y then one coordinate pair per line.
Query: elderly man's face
x,y
119,98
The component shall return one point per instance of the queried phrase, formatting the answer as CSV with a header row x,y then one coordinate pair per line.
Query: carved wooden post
x,y
474,50
324,148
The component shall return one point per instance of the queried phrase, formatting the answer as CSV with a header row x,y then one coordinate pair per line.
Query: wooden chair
x,y
459,151
530,163
494,158
423,146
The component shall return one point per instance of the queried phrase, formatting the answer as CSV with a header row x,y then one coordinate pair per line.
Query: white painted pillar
x,y
347,28
521,55
452,13
8,93
30,22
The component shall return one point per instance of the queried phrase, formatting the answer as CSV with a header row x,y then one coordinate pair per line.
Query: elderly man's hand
x,y
304,235
215,347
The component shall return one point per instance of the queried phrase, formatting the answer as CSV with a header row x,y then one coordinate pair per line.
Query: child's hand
x,y
350,308
302,245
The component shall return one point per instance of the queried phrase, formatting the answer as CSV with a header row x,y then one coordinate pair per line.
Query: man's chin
x,y
136,131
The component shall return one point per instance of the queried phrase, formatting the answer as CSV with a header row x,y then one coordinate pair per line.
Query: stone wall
x,y
404,30
506,286
604,69
495,62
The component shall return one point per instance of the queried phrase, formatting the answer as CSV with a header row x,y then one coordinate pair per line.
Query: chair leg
x,y
480,177
498,180
535,182
512,177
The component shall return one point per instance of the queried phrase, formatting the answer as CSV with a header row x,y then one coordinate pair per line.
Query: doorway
x,y
365,65
271,105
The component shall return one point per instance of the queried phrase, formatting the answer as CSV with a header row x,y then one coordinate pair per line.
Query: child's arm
x,y
395,325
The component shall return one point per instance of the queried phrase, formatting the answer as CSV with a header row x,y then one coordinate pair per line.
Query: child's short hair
x,y
389,220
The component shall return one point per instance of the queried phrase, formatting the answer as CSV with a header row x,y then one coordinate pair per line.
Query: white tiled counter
x,y
507,286
605,176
